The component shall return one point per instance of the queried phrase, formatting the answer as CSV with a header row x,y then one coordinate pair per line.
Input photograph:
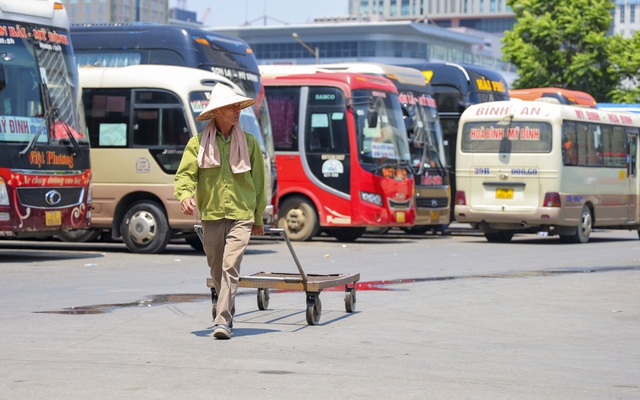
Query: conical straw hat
x,y
222,95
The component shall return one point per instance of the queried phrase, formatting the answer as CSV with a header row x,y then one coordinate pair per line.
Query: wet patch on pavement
x,y
381,285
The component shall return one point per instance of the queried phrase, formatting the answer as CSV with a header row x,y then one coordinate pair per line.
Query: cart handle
x,y
279,231
283,233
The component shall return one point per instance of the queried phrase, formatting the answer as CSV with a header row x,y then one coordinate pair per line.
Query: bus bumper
x,y
543,219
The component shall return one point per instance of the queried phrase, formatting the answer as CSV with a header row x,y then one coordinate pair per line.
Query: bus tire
x,y
498,237
583,231
80,235
145,228
346,234
298,217
195,243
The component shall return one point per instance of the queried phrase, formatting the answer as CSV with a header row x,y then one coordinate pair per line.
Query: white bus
x,y
529,166
139,119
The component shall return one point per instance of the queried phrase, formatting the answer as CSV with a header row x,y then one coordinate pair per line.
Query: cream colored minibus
x,y
139,119
531,166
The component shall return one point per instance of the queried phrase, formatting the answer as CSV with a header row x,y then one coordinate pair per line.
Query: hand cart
x,y
312,284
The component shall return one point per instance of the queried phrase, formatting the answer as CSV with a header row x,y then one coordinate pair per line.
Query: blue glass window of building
x,y
393,8
364,6
405,10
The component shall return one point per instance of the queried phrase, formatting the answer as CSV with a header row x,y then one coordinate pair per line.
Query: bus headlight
x,y
372,198
4,195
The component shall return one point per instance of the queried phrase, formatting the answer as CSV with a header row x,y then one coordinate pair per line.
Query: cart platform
x,y
311,284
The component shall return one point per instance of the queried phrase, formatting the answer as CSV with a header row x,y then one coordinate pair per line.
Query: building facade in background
x,y
403,43
116,11
484,15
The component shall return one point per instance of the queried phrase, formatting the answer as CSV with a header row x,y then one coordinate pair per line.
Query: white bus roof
x,y
536,110
176,79
404,75
43,12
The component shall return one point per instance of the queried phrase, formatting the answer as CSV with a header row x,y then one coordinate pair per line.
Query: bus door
x,y
632,174
326,145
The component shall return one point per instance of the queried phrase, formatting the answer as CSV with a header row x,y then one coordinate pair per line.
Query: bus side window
x,y
283,109
159,119
605,146
617,149
569,144
107,116
582,135
165,57
594,145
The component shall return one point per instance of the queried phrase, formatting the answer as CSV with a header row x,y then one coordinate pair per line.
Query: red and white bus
x,y
45,171
342,154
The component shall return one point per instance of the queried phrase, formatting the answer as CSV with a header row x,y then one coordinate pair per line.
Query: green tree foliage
x,y
624,58
562,43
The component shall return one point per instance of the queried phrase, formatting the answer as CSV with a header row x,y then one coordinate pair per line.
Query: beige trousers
x,y
224,243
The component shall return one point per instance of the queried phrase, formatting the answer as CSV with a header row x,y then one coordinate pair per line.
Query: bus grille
x,y
399,205
433,202
50,197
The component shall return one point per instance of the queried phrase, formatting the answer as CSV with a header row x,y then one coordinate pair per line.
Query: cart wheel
x,y
350,299
214,303
263,298
314,309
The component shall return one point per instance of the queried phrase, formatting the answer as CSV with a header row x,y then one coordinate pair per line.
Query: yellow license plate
x,y
400,216
53,218
504,193
435,216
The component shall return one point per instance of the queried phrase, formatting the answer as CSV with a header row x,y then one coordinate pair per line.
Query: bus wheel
x,y
584,227
298,218
80,235
346,234
498,237
145,228
195,243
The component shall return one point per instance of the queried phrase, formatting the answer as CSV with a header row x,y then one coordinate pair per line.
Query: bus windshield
x,y
426,133
385,138
40,71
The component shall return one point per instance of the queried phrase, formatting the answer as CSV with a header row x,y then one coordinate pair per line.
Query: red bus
x,y
342,154
562,96
45,171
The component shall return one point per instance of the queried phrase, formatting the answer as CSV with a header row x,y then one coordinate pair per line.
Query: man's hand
x,y
188,206
257,230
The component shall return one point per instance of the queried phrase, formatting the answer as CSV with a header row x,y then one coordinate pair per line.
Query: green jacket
x,y
220,193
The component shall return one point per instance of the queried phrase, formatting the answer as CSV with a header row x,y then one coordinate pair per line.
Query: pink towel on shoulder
x,y
209,155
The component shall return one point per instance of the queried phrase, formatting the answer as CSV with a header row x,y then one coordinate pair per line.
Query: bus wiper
x,y
50,116
54,114
36,135
72,139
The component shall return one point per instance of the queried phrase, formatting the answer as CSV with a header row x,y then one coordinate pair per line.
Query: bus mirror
x,y
3,79
372,116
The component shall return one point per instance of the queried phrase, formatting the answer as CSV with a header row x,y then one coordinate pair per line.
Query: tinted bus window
x,y
283,105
